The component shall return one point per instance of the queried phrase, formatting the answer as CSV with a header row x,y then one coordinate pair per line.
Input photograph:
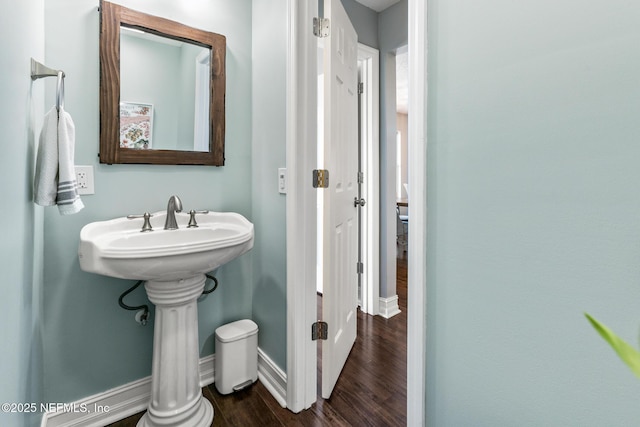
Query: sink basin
x,y
118,248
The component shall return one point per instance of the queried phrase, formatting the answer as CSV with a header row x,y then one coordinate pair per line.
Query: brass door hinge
x,y
319,331
320,178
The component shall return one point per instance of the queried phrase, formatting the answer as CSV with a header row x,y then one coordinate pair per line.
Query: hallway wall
x,y
364,20
393,33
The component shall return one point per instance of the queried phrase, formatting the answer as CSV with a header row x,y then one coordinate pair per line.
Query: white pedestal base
x,y
176,396
201,417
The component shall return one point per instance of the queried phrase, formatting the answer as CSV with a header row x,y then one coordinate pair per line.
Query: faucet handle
x,y
192,217
147,224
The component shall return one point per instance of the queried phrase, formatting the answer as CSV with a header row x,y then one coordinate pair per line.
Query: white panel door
x,y
340,233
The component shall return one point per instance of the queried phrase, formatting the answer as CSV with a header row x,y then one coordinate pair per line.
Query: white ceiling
x,y
378,5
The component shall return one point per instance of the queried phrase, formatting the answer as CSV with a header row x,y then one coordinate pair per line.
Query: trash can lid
x,y
236,330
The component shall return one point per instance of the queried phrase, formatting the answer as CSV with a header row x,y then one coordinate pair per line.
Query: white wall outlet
x,y
282,180
84,179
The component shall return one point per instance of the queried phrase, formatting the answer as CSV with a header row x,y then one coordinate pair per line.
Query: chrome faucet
x,y
174,205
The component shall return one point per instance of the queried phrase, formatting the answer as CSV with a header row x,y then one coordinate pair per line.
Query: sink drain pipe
x,y
143,318
215,285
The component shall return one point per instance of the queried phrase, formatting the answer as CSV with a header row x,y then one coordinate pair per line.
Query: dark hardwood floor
x,y
371,391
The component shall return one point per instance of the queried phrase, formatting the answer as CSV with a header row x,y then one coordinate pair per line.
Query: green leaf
x,y
628,354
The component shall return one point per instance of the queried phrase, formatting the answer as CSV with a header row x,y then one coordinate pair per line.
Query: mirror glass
x,y
164,96
162,90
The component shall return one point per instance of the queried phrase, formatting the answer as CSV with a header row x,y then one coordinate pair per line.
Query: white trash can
x,y
236,359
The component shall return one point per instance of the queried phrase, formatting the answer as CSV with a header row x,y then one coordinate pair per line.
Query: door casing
x,y
369,59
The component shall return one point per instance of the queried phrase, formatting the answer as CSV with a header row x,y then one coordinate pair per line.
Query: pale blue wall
x,y
187,73
146,65
364,20
533,212
21,358
91,344
269,154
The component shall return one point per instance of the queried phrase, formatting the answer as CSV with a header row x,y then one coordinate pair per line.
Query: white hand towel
x,y
55,181
46,180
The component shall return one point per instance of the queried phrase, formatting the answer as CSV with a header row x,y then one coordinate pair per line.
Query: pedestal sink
x,y
173,263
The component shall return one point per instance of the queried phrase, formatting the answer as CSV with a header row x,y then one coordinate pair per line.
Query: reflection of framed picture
x,y
136,125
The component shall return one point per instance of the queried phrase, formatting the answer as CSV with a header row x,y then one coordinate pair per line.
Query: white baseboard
x,y
207,369
129,399
273,378
389,307
118,403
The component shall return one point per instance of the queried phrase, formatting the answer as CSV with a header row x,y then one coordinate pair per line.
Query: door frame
x,y
301,206
302,215
417,251
370,135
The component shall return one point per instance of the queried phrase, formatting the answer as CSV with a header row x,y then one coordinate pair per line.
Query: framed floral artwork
x,y
136,125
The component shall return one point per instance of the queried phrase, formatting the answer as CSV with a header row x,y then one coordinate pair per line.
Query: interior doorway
x,y
368,182
369,158
301,208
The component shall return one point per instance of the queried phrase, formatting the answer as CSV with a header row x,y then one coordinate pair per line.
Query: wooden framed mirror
x,y
149,109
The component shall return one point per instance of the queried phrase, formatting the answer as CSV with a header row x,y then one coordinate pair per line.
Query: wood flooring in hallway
x,y
371,391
